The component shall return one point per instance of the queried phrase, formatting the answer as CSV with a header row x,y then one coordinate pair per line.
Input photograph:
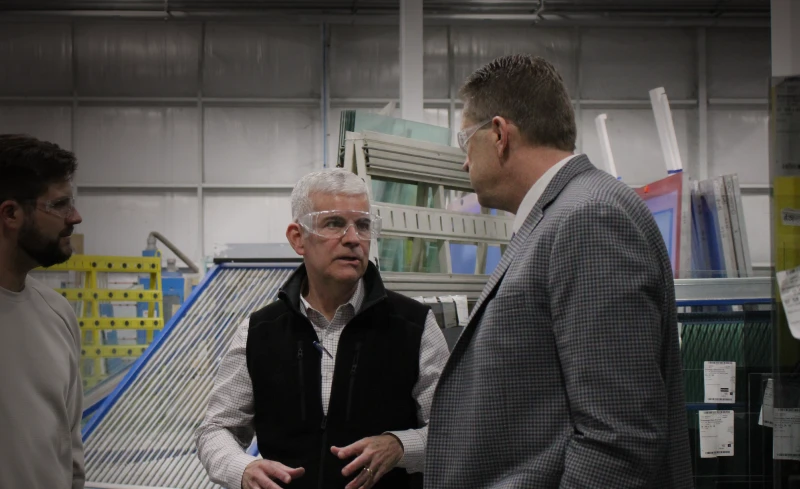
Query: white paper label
x,y
448,311
786,434
462,309
789,286
720,381
765,417
716,434
430,299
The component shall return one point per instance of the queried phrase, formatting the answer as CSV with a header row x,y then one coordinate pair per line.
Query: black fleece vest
x,y
377,365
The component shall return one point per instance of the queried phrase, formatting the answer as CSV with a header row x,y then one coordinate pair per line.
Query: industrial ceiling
x,y
533,10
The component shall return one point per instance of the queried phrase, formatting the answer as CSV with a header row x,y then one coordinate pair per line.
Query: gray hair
x,y
330,181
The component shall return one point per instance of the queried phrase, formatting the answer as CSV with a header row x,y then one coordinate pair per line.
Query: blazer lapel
x,y
513,246
520,237
576,166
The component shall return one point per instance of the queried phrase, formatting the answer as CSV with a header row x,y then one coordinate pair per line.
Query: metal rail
x,y
144,434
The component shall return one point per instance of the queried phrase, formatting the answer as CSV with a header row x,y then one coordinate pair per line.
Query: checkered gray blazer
x,y
568,374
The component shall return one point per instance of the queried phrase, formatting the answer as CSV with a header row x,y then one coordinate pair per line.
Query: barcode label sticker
x,y
789,287
786,434
716,434
720,381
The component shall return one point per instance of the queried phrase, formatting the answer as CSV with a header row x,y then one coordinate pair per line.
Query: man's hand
x,y
375,456
259,474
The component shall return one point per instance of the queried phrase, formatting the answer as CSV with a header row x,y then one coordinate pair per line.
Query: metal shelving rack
x,y
737,329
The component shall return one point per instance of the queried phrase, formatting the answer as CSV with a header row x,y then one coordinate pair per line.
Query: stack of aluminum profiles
x,y
143,434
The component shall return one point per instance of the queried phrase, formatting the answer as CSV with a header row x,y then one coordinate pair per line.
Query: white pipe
x,y
666,129
605,144
156,235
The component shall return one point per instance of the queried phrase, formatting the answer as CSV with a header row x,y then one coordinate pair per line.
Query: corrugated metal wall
x,y
199,129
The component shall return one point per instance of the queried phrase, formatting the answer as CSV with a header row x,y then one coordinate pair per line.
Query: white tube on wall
x,y
605,144
666,129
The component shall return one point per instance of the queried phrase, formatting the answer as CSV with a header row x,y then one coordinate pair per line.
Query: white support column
x,y
785,37
411,93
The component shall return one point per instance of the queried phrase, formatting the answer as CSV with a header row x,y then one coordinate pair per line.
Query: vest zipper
x,y
301,380
353,370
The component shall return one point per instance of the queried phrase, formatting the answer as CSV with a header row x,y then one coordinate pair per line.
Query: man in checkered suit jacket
x,y
568,374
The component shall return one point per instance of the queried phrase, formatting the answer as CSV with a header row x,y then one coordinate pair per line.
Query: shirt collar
x,y
536,191
355,301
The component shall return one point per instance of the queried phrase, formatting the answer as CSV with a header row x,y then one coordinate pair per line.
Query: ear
x,y
501,129
294,234
11,214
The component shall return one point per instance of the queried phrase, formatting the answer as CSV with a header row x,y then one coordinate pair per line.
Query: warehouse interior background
x,y
195,118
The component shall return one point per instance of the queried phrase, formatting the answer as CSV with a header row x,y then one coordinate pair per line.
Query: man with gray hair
x,y
336,377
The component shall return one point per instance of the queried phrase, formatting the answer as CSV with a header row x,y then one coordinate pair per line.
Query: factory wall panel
x,y
252,60
118,223
137,59
255,145
473,47
129,145
625,64
738,63
51,123
738,143
434,69
220,105
246,217
36,59
365,61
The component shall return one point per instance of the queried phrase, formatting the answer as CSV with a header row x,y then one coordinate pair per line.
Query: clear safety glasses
x,y
335,224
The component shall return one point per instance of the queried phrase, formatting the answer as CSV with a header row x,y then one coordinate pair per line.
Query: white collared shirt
x,y
536,191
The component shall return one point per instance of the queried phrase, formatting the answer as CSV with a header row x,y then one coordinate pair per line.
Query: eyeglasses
x,y
335,224
466,134
63,207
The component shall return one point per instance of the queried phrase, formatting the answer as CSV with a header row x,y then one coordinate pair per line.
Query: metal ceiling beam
x,y
509,10
269,17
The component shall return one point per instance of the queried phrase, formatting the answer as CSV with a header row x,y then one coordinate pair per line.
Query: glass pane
x,y
400,255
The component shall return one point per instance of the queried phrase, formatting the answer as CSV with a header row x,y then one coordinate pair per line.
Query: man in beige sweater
x,y
40,387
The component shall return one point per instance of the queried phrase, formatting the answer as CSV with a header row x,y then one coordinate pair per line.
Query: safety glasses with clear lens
x,y
464,135
335,224
63,207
